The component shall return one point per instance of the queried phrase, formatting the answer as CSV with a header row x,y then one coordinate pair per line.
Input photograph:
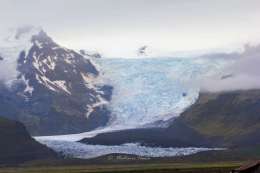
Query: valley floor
x,y
222,161
132,168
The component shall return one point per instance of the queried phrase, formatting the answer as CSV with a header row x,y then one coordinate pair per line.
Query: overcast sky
x,y
119,27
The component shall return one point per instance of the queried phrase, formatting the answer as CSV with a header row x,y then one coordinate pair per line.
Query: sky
x,y
117,28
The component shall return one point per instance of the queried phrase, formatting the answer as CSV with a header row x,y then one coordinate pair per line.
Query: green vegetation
x,y
133,168
226,119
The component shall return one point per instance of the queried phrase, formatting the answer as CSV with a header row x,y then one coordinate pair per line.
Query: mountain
x,y
49,88
223,119
16,145
226,118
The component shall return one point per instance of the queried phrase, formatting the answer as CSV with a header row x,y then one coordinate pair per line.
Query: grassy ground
x,y
204,162
224,167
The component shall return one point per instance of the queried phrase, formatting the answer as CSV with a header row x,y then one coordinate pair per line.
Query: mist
x,y
118,28
243,74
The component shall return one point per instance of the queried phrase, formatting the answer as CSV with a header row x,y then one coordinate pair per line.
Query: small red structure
x,y
253,167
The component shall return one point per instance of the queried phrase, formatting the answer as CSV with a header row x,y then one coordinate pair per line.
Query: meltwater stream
x,y
147,92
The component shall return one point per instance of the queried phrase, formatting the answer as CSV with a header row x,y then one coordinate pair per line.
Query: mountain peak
x,y
51,81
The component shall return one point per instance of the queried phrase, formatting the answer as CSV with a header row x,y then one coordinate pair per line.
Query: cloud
x,y
244,74
120,27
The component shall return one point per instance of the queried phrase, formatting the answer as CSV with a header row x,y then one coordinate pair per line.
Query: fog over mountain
x,y
243,74
12,42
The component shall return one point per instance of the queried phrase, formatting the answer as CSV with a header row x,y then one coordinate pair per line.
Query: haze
x,y
117,28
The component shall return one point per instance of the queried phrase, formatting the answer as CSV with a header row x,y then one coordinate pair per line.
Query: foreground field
x,y
205,162
132,168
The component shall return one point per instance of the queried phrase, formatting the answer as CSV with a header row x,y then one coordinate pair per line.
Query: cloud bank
x,y
243,74
119,27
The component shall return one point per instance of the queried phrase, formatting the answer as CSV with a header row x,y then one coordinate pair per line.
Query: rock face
x,y
226,119
16,145
55,89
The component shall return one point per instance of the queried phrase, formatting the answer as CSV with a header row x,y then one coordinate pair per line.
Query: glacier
x,y
147,92
85,151
150,91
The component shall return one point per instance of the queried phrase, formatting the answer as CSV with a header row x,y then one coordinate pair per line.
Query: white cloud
x,y
244,74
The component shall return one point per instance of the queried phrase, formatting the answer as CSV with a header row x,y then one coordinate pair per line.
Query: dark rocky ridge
x,y
16,145
154,137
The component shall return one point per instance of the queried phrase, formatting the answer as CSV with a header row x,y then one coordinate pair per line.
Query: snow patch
x,y
55,48
51,64
28,89
67,61
62,85
100,102
53,85
38,44
89,80
46,82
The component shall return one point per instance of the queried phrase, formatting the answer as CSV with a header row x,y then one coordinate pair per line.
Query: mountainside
x,y
16,145
53,90
226,119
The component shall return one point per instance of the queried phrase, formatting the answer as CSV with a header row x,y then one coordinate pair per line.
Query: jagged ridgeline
x,y
50,89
